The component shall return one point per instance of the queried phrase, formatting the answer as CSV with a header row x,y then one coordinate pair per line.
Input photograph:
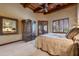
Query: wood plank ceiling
x,y
46,7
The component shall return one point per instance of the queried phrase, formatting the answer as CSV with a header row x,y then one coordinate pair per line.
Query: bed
x,y
56,44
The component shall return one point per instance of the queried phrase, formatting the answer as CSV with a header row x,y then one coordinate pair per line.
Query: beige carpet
x,y
21,48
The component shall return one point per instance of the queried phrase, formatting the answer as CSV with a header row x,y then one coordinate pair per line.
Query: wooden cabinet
x,y
42,27
27,35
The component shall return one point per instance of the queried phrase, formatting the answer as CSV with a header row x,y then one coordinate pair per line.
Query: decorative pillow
x,y
73,32
76,37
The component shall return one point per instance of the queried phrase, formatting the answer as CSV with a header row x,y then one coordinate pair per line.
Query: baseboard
x,y
10,42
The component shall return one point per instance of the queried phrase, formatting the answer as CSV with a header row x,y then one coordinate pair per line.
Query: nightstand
x,y
78,47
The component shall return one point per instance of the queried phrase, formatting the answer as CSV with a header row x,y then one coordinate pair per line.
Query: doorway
x,y
42,27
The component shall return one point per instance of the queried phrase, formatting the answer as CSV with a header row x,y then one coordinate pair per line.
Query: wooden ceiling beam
x,y
40,11
52,7
25,4
37,9
33,6
59,8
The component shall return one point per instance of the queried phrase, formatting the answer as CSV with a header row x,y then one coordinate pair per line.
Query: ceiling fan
x,y
44,7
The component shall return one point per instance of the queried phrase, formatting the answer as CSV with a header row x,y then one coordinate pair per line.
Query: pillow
x,y
73,32
76,37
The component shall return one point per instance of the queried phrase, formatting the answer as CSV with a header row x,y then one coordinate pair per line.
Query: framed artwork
x,y
8,25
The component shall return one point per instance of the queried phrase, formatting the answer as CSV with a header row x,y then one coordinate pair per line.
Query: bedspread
x,y
55,44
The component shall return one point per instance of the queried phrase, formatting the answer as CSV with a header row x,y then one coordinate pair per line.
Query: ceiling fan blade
x,y
46,4
46,7
46,10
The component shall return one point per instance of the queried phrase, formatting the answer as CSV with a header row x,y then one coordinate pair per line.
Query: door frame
x,y
38,26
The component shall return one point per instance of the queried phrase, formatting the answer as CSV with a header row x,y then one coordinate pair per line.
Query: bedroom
x,y
25,15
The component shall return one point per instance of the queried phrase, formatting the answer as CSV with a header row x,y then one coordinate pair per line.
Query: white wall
x,y
17,11
70,12
78,14
14,10
12,37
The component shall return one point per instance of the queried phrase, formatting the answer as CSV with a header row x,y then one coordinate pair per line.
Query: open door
x,y
42,27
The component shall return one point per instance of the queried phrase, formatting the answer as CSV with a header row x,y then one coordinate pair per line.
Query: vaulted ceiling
x,y
46,7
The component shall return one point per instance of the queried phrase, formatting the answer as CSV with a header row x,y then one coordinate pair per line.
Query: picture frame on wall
x,y
8,25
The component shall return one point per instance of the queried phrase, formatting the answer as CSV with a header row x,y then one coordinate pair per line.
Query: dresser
x,y
76,48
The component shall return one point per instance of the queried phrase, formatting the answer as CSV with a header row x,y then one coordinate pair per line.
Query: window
x,y
61,25
8,25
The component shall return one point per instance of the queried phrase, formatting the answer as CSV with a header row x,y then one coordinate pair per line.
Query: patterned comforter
x,y
55,44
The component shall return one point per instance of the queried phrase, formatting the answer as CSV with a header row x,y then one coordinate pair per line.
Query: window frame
x,y
1,25
59,25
